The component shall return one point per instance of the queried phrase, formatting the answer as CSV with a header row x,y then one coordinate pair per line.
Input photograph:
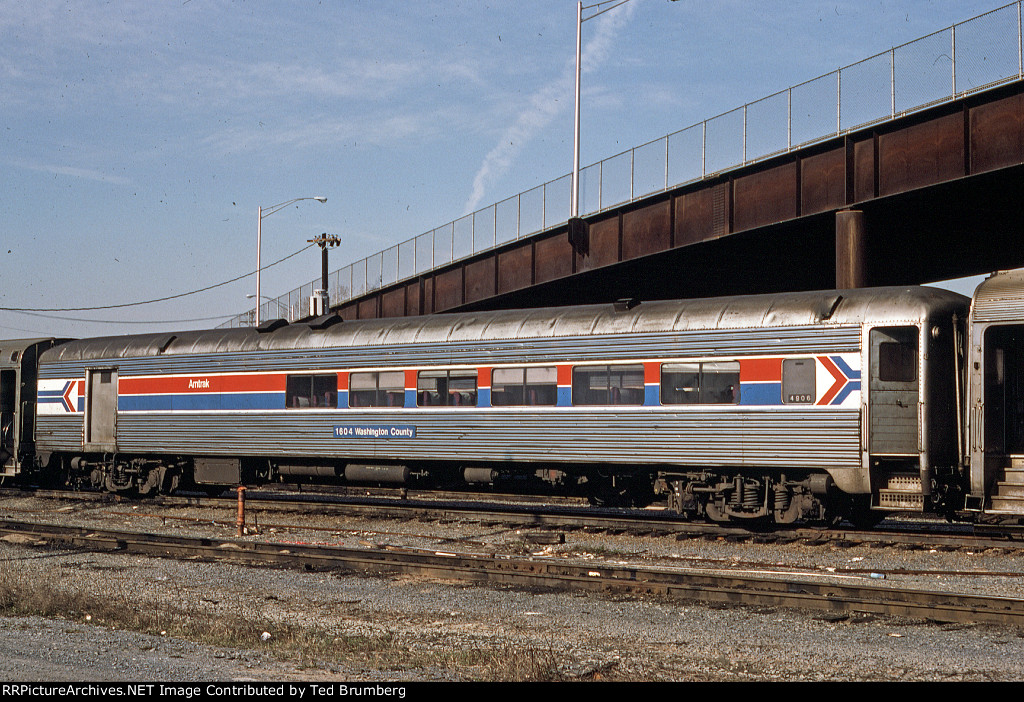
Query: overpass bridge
x,y
904,168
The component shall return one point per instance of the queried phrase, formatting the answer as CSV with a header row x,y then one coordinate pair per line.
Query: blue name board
x,y
374,431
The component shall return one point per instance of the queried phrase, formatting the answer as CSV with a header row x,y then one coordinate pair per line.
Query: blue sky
x,y
138,139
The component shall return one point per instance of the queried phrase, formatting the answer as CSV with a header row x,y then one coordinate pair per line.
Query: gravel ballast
x,y
426,630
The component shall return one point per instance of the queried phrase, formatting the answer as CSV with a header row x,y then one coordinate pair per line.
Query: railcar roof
x,y
1000,297
878,305
11,349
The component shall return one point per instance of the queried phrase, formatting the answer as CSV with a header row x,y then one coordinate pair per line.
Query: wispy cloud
x,y
72,172
324,130
545,104
233,82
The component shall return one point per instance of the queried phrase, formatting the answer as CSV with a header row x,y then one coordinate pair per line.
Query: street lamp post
x,y
266,212
580,19
577,227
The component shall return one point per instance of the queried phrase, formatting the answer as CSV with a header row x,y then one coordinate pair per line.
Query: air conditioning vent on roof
x,y
271,325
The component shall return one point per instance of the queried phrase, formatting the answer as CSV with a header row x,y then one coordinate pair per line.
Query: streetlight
x,y
266,212
580,19
577,227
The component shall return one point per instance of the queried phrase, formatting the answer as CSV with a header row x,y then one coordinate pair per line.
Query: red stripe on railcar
x,y
199,383
760,370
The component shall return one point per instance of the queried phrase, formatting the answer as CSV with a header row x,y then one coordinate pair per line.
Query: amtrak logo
x,y
57,396
846,380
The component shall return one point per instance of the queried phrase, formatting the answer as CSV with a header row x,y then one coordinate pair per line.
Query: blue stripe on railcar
x,y
652,395
564,396
206,401
761,393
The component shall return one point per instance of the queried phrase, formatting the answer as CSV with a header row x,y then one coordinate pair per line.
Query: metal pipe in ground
x,y
241,510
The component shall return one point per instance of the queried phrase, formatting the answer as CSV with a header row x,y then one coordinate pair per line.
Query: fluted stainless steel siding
x,y
780,438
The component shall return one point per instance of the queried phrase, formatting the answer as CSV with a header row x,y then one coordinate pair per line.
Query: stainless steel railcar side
x,y
868,410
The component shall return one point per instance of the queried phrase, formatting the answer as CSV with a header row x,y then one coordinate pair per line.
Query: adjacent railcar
x,y
788,406
18,361
994,406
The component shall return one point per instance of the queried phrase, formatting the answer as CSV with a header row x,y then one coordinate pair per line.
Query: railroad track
x,y
804,591
570,516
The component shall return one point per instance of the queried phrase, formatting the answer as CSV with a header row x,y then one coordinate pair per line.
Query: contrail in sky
x,y
544,105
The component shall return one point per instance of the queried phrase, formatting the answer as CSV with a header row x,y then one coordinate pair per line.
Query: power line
x,y
119,321
149,302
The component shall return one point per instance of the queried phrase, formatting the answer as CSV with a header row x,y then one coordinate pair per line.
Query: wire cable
x,y
149,302
122,321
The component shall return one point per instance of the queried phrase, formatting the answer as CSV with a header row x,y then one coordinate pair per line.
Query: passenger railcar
x,y
790,406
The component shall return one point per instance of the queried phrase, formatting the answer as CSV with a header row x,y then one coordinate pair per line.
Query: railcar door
x,y
100,431
997,419
893,389
1004,390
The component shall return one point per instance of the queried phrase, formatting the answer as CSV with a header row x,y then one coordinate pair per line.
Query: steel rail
x,y
569,518
644,521
698,584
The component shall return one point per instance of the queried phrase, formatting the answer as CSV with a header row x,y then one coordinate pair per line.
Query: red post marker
x,y
241,510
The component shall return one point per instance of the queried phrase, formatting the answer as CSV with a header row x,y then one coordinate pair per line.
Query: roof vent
x,y
833,308
626,304
271,325
323,321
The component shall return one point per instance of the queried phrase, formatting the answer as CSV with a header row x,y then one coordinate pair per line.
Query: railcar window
x,y
608,385
897,360
304,391
720,383
709,383
680,383
532,386
383,389
456,388
798,386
